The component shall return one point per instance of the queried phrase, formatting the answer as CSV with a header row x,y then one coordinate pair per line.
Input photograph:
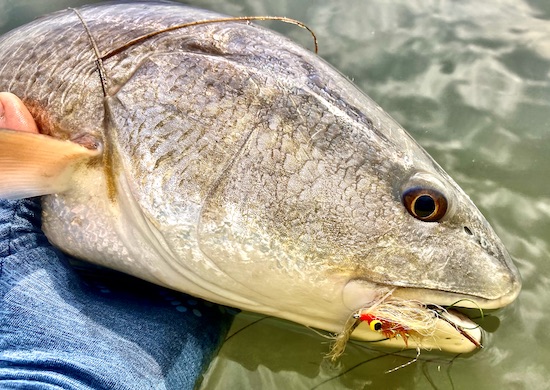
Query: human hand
x,y
14,115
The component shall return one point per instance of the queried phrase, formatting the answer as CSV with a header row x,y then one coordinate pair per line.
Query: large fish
x,y
225,161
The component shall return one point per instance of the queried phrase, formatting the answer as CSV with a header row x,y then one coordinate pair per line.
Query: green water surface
x,y
470,80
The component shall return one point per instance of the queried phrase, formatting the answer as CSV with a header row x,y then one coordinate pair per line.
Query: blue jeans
x,y
92,329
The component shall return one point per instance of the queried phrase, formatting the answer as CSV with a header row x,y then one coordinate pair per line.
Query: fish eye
x,y
425,204
375,325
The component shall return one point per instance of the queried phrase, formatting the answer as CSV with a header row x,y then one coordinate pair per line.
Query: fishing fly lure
x,y
394,318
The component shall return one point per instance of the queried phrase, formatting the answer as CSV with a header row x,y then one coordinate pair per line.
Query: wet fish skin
x,y
241,168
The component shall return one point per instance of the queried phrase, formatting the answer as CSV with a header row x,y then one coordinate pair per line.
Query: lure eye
x,y
425,204
375,325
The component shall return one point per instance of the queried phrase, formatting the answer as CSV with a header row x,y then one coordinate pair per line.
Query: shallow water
x,y
470,81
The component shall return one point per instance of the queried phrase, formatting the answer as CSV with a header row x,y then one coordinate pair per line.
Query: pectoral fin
x,y
35,164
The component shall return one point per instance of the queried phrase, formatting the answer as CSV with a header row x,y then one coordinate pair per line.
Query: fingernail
x,y
2,111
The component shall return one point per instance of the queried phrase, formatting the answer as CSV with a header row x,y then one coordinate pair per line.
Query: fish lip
x,y
358,292
451,298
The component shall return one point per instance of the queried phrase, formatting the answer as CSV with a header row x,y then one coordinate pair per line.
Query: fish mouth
x,y
451,331
414,318
432,327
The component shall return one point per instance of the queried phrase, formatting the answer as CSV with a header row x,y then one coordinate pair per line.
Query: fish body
x,y
225,161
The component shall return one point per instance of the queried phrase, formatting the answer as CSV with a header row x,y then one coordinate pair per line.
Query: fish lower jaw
x,y
454,334
415,318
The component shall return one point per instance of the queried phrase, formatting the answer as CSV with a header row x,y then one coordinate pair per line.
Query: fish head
x,y
329,201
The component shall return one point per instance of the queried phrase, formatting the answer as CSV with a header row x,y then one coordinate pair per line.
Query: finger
x,y
14,115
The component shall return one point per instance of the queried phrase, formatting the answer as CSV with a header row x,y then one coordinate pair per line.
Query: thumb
x,y
14,115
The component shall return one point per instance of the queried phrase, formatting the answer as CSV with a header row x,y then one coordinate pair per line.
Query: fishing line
x,y
99,60
245,327
145,37
405,364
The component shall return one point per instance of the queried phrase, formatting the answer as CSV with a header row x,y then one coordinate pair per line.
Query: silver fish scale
x,y
54,73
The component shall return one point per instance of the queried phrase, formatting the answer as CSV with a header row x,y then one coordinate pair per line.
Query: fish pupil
x,y
424,206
